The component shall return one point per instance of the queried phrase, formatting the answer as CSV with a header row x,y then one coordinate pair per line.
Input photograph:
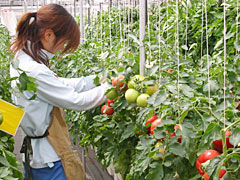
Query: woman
x,y
39,36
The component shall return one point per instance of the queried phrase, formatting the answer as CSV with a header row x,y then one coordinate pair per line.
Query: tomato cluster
x,y
137,92
107,109
212,153
206,156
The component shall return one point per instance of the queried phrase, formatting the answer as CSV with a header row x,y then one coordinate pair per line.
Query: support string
x,y
208,62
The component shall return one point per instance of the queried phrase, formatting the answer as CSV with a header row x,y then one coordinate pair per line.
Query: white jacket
x,y
75,93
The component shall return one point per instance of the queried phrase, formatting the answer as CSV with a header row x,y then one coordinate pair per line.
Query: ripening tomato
x,y
207,155
112,94
218,145
151,89
110,102
149,121
161,150
238,107
170,70
221,174
118,82
107,110
154,125
206,177
174,134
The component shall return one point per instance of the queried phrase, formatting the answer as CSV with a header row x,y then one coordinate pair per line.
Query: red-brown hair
x,y
51,16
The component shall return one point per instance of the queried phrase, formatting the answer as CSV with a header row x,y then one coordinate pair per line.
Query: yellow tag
x,y
10,117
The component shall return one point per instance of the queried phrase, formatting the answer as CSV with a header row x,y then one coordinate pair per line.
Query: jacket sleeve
x,y
52,90
80,84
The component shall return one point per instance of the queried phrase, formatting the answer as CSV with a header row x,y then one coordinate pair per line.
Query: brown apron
x,y
60,140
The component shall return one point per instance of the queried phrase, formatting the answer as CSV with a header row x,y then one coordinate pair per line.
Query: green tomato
x,y
142,100
1,118
131,95
138,77
151,89
131,84
112,94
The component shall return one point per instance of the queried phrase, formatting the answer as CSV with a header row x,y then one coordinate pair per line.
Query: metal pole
x,y
143,18
25,6
74,9
89,13
81,22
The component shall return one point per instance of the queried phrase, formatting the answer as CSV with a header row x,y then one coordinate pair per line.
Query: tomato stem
x,y
227,128
224,141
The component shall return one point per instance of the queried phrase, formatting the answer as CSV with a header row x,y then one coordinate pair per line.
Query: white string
x,y
167,20
208,62
178,59
120,23
237,40
160,76
124,24
110,28
186,41
225,56
202,34
128,24
101,21
149,37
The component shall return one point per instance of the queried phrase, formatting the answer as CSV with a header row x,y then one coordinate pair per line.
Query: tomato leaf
x,y
156,172
212,133
176,148
128,132
235,137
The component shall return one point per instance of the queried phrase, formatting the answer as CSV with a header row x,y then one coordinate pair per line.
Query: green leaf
x,y
4,171
213,86
134,38
177,149
218,43
157,98
235,137
187,90
184,47
128,132
212,133
156,172
237,45
4,161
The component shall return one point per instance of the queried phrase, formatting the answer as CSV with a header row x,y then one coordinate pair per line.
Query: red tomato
x,y
221,174
174,134
117,82
238,107
218,145
207,155
110,102
206,177
150,120
170,70
107,110
154,125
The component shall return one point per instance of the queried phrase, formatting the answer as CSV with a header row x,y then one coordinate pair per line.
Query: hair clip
x,y
34,17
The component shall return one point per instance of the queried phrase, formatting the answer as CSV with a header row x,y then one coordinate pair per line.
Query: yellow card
x,y
10,117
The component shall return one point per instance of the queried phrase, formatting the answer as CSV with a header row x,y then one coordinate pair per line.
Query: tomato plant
x,y
10,168
181,97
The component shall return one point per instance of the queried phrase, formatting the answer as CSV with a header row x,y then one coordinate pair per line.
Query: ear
x,y
49,35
